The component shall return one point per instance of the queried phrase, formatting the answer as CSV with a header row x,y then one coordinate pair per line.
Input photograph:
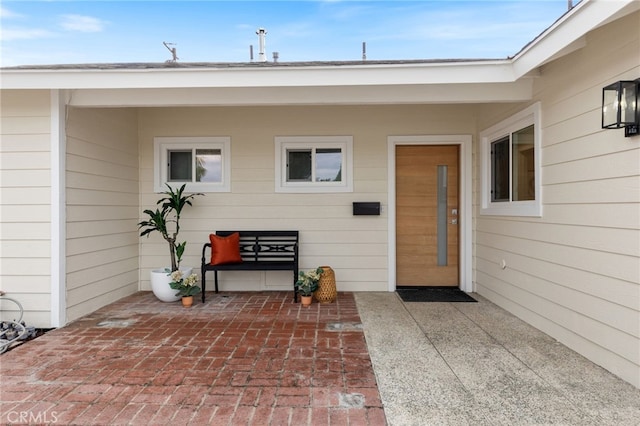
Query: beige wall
x,y
102,208
354,246
25,202
575,272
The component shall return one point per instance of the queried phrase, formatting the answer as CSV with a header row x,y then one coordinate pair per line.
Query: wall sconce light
x,y
620,107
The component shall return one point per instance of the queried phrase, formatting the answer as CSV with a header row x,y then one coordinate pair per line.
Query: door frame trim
x,y
465,198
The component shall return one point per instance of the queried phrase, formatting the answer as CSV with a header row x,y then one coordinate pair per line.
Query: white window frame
x,y
525,118
284,143
161,147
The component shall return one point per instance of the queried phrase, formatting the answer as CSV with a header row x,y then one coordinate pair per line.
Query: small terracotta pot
x,y
306,300
187,301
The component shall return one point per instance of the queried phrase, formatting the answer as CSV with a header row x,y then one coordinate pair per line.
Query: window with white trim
x,y
202,163
510,166
314,164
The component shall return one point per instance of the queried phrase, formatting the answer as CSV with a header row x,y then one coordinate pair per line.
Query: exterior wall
x,y
575,272
102,208
354,246
25,202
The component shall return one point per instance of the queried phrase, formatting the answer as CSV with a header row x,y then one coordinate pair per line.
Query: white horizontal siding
x,y
583,148
21,214
589,305
16,125
616,241
614,265
24,249
575,272
102,208
620,292
36,308
100,295
29,160
26,284
616,190
25,143
605,166
34,266
13,178
26,197
26,231
86,229
25,210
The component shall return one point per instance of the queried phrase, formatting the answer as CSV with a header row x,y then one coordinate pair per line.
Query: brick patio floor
x,y
240,358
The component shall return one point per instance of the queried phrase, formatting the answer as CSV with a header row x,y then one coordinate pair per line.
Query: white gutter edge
x,y
240,77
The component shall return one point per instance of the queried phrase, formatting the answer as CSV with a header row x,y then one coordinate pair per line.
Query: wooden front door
x,y
427,186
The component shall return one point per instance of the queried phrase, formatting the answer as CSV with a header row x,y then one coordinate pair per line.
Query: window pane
x,y
299,165
179,166
523,170
208,165
329,165
500,170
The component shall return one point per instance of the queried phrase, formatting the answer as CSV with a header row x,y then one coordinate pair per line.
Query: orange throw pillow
x,y
225,249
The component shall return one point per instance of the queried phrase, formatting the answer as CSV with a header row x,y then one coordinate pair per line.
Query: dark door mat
x,y
434,294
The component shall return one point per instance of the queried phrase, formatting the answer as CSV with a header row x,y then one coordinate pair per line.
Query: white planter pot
x,y
160,284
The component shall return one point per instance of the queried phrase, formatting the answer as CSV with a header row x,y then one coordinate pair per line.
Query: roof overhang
x,y
355,82
568,33
281,84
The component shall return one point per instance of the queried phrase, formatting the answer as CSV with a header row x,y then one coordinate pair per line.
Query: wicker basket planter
x,y
326,292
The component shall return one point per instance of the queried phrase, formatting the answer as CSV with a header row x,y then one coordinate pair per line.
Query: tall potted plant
x,y
166,221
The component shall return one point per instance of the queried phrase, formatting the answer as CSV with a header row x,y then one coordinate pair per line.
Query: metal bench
x,y
260,251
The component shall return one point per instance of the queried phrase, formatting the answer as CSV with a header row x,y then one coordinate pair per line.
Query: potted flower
x,y
308,283
186,287
166,221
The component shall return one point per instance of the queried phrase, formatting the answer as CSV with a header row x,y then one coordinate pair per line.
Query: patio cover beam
x,y
329,95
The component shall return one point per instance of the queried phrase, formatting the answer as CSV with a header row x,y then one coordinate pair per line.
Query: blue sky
x,y
62,32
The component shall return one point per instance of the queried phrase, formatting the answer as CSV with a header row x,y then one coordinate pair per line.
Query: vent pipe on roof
x,y
173,50
569,4
251,52
364,50
276,56
261,36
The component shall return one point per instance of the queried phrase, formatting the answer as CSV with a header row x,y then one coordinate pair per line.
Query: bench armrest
x,y
204,253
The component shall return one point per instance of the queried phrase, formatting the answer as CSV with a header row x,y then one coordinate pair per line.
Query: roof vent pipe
x,y
251,52
261,36
364,50
276,55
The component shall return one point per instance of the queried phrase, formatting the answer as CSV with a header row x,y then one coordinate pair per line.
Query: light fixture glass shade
x,y
619,104
628,103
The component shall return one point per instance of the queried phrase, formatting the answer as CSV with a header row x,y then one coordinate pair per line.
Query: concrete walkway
x,y
476,364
